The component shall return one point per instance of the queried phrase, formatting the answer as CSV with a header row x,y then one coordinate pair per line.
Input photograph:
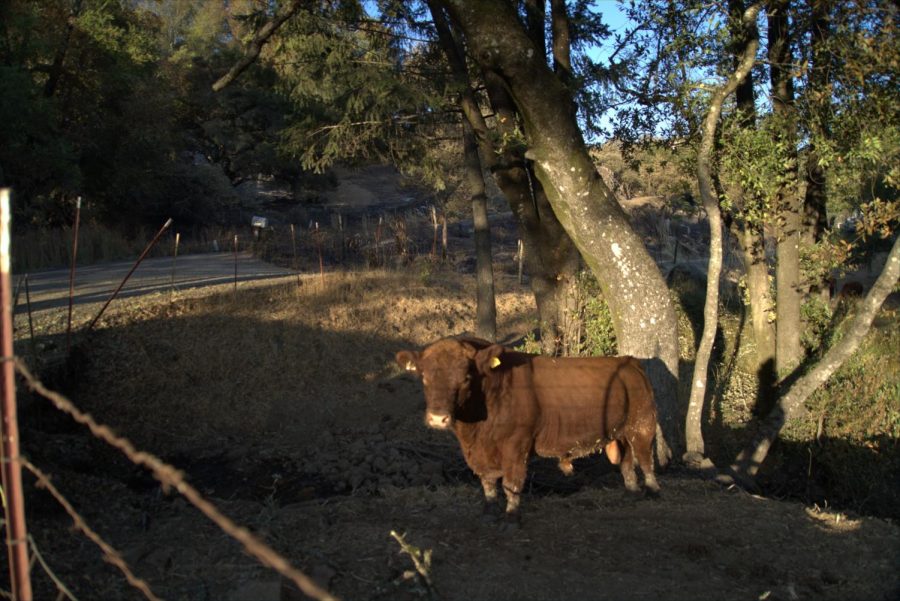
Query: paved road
x,y
50,289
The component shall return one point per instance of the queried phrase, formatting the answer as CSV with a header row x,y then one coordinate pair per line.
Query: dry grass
x,y
186,372
272,398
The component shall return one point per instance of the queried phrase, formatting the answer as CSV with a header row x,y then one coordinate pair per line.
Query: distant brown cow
x,y
504,405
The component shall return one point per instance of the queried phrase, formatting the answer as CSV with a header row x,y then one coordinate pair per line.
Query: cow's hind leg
x,y
643,449
627,468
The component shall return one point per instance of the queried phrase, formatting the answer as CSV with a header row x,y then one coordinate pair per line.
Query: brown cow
x,y
505,405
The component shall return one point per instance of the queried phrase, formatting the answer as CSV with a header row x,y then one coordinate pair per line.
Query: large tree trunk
x,y
746,464
818,99
694,420
642,311
551,256
553,261
751,236
753,247
474,136
486,307
788,204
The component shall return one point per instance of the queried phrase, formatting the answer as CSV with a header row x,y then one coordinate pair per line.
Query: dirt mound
x,y
369,187
283,405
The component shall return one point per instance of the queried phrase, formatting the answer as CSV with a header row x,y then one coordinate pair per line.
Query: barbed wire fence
x,y
18,541
169,478
389,239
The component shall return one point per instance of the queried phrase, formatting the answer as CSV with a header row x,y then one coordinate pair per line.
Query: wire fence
x,y
388,239
170,478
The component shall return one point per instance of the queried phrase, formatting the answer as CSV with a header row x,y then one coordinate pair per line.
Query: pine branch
x,y
251,53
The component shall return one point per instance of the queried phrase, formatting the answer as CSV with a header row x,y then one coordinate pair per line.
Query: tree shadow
x,y
313,438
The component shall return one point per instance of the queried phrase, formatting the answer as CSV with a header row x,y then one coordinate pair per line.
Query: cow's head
x,y
447,369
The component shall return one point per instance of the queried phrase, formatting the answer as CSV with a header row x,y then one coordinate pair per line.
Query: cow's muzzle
x,y
439,421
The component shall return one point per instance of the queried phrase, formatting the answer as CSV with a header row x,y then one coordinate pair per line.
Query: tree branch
x,y
693,429
253,49
747,463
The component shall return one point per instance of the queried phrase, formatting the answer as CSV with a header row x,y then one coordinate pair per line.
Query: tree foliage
x,y
111,101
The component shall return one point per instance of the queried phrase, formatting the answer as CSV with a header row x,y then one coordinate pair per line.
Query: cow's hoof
x,y
652,493
511,522
491,512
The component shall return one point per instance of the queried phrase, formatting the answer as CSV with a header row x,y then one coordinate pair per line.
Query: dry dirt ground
x,y
283,405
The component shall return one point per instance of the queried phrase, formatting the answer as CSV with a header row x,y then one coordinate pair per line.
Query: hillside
x,y
283,405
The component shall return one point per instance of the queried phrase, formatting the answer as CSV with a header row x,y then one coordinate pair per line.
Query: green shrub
x,y
599,334
818,323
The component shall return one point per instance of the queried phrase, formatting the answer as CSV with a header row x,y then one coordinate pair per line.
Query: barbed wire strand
x,y
169,476
110,554
60,585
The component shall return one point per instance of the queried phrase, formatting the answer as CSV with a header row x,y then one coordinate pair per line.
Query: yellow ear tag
x,y
495,362
410,366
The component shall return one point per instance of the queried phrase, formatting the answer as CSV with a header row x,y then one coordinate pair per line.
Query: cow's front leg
x,y
514,470
491,499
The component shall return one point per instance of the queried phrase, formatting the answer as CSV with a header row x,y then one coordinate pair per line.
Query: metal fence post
x,y
72,273
235,261
115,293
14,502
175,259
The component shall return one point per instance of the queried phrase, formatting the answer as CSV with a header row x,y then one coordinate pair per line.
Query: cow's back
x,y
585,402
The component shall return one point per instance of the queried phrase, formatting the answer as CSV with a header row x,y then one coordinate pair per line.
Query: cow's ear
x,y
469,351
408,360
489,359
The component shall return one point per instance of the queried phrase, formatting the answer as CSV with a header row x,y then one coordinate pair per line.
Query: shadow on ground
x,y
284,407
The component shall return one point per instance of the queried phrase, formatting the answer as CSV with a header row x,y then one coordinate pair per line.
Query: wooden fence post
x,y
318,236
294,251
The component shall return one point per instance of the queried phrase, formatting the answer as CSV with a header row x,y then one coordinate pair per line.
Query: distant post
x,y
378,259
521,257
319,247
434,225
444,237
72,273
175,258
235,262
294,250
